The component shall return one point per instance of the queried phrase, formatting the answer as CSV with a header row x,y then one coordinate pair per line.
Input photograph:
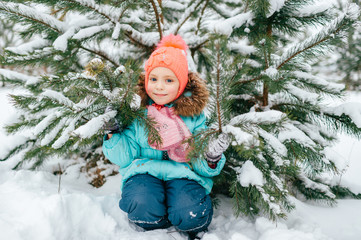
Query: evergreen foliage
x,y
263,91
65,113
7,37
290,149
349,62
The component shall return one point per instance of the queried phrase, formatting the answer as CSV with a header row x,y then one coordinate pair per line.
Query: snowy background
x,y
33,205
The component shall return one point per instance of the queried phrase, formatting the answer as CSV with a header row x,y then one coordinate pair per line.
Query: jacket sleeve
x,y
122,148
200,166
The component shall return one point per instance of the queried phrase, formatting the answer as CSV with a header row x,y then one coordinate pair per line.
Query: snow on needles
x,y
53,133
317,7
29,47
226,27
243,46
351,109
28,80
94,125
271,116
90,31
173,5
32,13
274,142
325,32
240,136
61,43
58,97
291,132
275,6
65,134
43,124
248,174
315,185
303,95
314,79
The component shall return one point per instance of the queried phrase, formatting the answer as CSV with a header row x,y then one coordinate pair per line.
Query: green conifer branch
x,y
18,149
191,9
13,8
99,53
201,16
129,34
216,7
94,8
322,37
157,19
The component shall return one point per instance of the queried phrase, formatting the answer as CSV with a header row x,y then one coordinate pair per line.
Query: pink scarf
x,y
173,132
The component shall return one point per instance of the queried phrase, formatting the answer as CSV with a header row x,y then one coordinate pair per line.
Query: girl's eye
x,y
153,79
169,80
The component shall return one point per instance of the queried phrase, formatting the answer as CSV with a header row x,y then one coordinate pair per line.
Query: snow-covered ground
x,y
33,205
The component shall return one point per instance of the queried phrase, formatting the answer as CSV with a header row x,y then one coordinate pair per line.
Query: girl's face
x,y
163,85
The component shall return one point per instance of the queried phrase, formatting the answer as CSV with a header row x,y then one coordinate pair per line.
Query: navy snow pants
x,y
153,204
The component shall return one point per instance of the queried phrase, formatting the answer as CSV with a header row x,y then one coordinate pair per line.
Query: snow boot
x,y
194,236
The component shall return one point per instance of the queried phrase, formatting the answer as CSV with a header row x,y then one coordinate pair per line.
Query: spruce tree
x,y
264,94
268,98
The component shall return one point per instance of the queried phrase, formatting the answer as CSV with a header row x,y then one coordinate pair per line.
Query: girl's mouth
x,y
160,95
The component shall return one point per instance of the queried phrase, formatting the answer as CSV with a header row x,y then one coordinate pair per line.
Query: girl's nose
x,y
159,85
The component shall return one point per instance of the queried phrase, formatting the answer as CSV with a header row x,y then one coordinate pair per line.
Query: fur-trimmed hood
x,y
192,101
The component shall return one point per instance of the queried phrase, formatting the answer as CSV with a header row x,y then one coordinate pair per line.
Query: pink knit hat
x,y
170,53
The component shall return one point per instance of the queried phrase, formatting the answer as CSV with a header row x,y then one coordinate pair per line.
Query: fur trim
x,y
193,100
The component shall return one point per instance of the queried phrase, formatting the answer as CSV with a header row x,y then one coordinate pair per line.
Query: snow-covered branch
x,y
186,15
317,186
351,109
30,13
91,31
16,76
106,11
101,54
157,10
316,80
94,125
59,98
226,27
28,47
268,117
327,32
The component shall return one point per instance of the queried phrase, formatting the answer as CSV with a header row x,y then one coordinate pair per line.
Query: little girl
x,y
160,186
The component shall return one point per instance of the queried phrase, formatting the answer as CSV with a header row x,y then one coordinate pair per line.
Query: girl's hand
x,y
216,147
112,126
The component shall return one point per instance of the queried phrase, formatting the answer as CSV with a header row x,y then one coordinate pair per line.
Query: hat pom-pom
x,y
175,41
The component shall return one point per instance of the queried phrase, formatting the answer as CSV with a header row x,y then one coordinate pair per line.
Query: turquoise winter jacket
x,y
131,152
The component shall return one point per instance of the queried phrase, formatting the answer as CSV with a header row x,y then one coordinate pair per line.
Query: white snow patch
x,y
9,74
275,6
242,46
94,125
226,26
351,109
250,175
